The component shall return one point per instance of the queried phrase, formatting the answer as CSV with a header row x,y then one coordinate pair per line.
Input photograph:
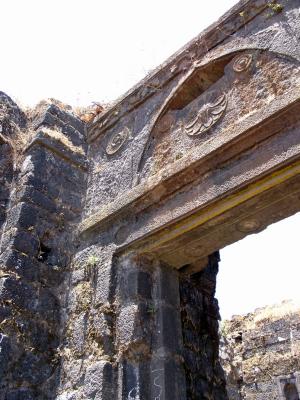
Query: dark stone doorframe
x,y
167,339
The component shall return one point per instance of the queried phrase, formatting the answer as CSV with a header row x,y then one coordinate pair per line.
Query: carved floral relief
x,y
207,117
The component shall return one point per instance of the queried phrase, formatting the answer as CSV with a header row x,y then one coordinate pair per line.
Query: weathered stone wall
x,y
12,121
139,329
96,298
125,315
261,353
43,190
200,315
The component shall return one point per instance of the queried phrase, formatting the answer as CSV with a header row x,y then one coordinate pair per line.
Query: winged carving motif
x,y
207,117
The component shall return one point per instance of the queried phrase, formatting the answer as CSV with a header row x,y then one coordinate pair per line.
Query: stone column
x,y
148,331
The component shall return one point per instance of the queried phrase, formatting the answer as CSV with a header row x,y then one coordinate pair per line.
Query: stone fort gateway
x,y
110,231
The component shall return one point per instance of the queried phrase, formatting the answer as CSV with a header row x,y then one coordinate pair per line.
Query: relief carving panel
x,y
207,117
214,99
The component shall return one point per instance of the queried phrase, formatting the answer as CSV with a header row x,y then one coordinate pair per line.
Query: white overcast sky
x,y
93,50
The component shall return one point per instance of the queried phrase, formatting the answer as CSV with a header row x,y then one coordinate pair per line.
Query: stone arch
x,y
290,391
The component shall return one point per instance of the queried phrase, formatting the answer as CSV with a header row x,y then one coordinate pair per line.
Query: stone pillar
x,y
148,331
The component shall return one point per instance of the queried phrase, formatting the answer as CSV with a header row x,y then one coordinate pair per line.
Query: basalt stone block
x,y
168,287
31,180
135,379
4,191
37,334
194,314
5,312
144,285
101,325
190,293
135,284
213,328
23,215
78,275
5,355
103,285
77,336
211,307
19,293
206,279
22,394
13,112
167,380
26,243
48,305
193,363
72,373
72,200
209,364
219,393
24,266
167,323
127,322
22,241
191,338
33,369
53,275
38,198
100,381
52,116
68,118
200,386
134,325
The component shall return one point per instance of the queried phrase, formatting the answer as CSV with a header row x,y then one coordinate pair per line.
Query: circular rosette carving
x,y
117,141
207,117
242,63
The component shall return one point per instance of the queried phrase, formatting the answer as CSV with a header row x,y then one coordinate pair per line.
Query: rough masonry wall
x,y
261,353
95,302
123,338
200,329
12,121
139,329
43,190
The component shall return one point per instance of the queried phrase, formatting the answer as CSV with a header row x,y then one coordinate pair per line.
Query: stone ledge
x,y
60,149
